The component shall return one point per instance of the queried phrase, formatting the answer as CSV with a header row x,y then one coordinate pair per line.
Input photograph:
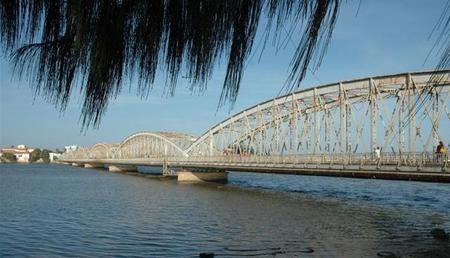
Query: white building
x,y
22,157
54,156
70,148
21,152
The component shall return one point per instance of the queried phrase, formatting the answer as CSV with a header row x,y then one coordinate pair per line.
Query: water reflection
x,y
66,211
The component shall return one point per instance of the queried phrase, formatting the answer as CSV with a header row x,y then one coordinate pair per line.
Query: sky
x,y
382,37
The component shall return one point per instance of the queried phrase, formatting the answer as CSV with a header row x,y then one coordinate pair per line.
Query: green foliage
x,y
9,156
45,156
35,155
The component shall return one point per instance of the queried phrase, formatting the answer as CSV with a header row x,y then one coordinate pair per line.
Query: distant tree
x,y
58,150
45,156
9,156
35,155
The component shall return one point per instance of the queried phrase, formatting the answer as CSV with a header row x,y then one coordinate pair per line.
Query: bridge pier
x,y
93,165
220,176
122,168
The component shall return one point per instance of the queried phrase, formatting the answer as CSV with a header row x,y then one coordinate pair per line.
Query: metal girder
x,y
262,127
152,144
321,124
102,150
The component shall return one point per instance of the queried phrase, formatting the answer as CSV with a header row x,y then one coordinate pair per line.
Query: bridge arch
x,y
78,154
153,144
339,118
102,150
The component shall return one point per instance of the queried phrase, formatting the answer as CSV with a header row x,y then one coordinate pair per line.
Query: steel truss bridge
x,y
331,129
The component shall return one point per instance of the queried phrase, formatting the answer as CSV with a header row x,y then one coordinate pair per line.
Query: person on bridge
x,y
439,151
443,153
378,156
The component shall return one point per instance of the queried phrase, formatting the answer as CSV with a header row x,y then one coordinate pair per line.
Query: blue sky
x,y
385,37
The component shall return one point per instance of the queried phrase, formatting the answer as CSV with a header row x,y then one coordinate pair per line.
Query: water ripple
x,y
54,211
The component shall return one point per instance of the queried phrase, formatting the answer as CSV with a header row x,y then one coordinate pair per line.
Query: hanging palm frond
x,y
442,44
95,45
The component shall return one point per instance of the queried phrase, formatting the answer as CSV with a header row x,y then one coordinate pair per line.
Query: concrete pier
x,y
122,168
215,172
201,176
93,165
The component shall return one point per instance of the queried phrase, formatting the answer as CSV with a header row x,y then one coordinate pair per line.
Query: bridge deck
x,y
428,174
385,126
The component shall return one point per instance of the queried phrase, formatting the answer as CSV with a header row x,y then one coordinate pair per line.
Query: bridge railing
x,y
416,159
409,159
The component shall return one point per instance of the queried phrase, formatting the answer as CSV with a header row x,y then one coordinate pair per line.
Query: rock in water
x,y
439,233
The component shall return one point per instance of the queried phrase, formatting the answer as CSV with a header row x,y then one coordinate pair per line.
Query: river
x,y
57,210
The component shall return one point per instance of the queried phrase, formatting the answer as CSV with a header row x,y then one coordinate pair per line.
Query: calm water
x,y
55,210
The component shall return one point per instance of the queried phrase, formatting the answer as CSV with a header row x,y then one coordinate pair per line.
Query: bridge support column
x,y
77,164
93,165
220,176
122,168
